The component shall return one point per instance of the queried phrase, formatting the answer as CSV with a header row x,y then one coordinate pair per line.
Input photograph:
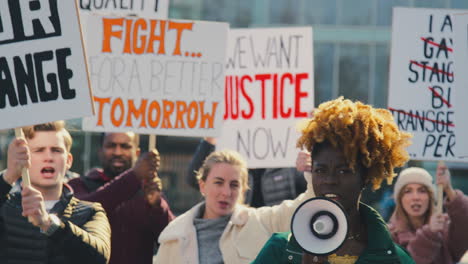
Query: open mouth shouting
x,y
416,207
48,172
223,205
332,196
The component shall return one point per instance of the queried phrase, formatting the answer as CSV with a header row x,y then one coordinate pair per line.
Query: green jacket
x,y
283,248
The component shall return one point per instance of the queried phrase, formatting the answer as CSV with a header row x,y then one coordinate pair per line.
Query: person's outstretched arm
x,y
278,218
125,186
458,213
456,204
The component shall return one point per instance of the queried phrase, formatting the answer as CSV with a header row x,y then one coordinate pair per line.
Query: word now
x,y
139,35
263,143
25,78
155,114
22,20
240,88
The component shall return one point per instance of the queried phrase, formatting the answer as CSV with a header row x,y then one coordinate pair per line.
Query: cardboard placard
x,y
156,76
43,75
460,62
269,88
422,74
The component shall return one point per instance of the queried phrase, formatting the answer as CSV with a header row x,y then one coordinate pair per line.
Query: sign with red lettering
x,y
156,76
422,74
460,62
43,74
269,88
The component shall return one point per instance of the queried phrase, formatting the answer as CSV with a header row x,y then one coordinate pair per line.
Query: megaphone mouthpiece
x,y
320,226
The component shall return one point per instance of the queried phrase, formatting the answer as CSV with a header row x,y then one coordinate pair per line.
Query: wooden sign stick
x,y
24,171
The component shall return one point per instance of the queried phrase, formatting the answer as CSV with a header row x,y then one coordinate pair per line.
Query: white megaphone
x,y
320,226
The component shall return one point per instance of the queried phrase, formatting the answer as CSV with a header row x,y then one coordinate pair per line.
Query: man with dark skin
x,y
128,188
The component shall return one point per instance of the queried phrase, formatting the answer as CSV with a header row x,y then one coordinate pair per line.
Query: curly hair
x,y
365,134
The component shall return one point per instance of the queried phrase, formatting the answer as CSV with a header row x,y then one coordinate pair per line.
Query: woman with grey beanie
x,y
431,237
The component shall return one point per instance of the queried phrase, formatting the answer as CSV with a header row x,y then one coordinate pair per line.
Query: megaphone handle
x,y
24,171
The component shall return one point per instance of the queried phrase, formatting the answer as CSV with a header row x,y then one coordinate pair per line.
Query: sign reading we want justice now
x,y
269,88
42,64
422,93
156,76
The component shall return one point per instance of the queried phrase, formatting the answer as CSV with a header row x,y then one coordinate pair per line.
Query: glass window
x,y
381,75
323,63
356,12
385,9
354,71
179,13
214,10
459,4
243,13
284,12
320,12
432,3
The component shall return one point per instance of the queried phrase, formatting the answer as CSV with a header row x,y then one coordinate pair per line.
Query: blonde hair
x,y
400,214
367,136
230,157
57,126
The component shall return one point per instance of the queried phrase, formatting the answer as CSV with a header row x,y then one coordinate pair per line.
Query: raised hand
x,y
304,161
147,165
34,207
438,222
18,158
152,190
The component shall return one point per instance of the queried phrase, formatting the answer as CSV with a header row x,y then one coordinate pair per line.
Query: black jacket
x,y
83,237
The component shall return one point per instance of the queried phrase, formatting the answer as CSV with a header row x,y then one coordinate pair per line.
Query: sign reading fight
x,y
460,62
421,92
156,76
43,73
143,8
269,87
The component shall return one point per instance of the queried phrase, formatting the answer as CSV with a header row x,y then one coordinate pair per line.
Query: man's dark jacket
x,y
83,236
135,224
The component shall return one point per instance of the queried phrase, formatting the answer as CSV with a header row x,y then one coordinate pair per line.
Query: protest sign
x,y
156,76
421,90
43,74
269,87
141,8
460,62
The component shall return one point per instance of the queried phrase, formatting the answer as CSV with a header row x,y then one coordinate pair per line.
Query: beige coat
x,y
242,239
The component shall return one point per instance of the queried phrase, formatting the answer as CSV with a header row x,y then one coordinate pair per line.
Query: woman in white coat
x,y
222,229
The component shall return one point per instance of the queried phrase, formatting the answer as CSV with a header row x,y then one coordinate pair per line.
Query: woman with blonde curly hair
x,y
352,145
